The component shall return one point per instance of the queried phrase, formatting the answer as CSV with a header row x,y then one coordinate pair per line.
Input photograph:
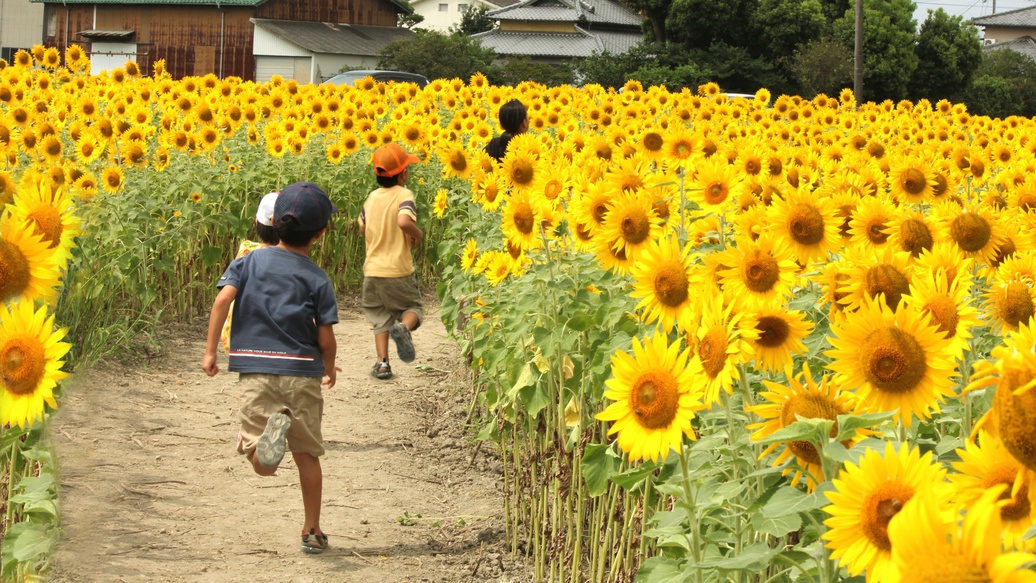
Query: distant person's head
x,y
514,118
391,164
264,227
301,212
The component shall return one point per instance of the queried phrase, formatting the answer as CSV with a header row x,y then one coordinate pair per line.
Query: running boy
x,y
391,299
282,344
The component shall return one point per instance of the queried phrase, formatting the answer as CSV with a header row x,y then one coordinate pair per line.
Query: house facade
x,y
556,31
243,38
1005,26
441,15
21,23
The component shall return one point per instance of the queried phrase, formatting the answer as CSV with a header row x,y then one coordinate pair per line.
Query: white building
x,y
21,26
440,15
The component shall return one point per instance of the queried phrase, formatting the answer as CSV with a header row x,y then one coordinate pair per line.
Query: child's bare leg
x,y
260,468
409,320
311,480
381,345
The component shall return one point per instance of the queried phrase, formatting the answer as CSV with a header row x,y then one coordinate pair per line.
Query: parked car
x,y
351,77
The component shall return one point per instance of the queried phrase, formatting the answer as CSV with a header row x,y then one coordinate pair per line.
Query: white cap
x,y
265,214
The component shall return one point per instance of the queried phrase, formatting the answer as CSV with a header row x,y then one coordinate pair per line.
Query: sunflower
x,y
488,192
497,266
780,333
630,223
866,497
30,360
873,272
869,225
590,206
913,231
785,404
679,145
654,398
986,464
761,271
722,342
519,222
1010,303
977,232
948,305
440,203
911,180
894,360
662,282
807,223
947,256
51,212
112,179
469,256
455,161
925,549
26,268
714,184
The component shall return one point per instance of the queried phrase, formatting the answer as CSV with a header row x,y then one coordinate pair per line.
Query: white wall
x,y
108,56
434,19
21,24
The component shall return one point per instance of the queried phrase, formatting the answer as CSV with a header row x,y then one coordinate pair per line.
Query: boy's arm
x,y
328,350
220,309
409,226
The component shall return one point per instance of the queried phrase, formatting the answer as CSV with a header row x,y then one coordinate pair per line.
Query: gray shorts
x,y
263,395
385,299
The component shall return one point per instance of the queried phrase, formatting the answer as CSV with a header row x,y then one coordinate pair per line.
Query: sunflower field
x,y
713,339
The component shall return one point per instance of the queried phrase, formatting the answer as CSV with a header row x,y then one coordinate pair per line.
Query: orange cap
x,y
391,159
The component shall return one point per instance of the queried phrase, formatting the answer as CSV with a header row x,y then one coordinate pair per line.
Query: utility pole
x,y
858,54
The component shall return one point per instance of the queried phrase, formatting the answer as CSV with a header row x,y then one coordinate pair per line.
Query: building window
x,y
444,8
462,8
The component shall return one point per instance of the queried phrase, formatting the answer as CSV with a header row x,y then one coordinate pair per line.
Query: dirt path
x,y
152,489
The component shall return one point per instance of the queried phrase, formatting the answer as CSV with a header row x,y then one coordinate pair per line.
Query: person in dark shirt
x,y
514,118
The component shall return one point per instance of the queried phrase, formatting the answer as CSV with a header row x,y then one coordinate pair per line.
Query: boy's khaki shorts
x,y
385,299
263,395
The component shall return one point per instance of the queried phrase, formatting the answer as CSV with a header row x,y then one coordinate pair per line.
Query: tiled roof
x,y
595,12
158,2
1020,17
558,44
1025,45
338,39
502,3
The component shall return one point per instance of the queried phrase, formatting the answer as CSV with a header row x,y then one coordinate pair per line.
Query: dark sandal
x,y
381,370
314,543
404,343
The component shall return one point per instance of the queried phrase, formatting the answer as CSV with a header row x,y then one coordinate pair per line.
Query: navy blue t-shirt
x,y
282,297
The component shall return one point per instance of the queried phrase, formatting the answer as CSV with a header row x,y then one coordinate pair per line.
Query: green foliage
x,y
822,66
473,21
1006,87
515,70
699,24
437,56
948,51
889,37
31,513
608,70
785,25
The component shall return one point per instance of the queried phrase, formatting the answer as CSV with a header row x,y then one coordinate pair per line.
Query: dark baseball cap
x,y
307,203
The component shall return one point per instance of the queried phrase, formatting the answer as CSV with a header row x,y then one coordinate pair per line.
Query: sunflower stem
x,y
694,535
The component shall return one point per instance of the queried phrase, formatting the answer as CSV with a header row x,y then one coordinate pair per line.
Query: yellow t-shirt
x,y
388,247
224,335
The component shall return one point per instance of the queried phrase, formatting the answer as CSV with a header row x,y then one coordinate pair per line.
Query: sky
x,y
967,8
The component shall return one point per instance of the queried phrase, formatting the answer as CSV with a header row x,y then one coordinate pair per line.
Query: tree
x,y
474,21
409,20
785,25
656,12
888,44
437,56
822,66
697,24
514,70
608,70
1007,85
995,97
948,51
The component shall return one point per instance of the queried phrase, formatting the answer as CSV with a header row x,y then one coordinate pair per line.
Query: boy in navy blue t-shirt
x,y
282,343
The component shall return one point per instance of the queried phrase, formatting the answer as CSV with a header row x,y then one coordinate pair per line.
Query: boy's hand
x,y
208,364
332,377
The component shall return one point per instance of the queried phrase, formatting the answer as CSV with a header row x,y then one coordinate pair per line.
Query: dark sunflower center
x,y
1004,474
1004,251
805,225
1014,304
713,351
523,218
671,285
773,331
48,223
915,236
521,172
652,141
458,162
888,280
812,407
893,360
760,271
1016,416
599,211
14,270
582,232
716,192
876,233
661,209
22,365
878,509
753,166
552,190
654,399
943,311
970,231
635,227
941,185
913,181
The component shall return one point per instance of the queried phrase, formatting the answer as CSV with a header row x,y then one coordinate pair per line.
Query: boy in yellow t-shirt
x,y
391,299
